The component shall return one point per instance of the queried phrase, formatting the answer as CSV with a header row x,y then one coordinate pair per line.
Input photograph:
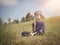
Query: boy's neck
x,y
38,20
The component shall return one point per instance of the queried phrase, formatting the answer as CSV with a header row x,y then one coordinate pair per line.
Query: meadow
x,y
11,34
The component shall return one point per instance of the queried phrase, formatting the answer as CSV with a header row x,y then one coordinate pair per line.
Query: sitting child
x,y
38,26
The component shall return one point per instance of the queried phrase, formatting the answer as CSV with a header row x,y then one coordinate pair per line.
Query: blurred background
x,y
17,16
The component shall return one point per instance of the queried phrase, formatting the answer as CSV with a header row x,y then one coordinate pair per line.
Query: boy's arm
x,y
34,24
34,27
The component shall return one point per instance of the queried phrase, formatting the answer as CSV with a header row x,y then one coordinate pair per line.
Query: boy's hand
x,y
41,31
32,34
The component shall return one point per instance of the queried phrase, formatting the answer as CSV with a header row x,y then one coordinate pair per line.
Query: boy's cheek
x,y
38,17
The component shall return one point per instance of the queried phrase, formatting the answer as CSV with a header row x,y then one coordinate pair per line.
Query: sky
x,y
16,9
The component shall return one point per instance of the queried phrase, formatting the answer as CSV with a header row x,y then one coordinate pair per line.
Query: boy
x,y
38,26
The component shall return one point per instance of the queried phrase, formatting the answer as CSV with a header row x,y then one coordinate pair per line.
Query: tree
x,y
9,20
16,21
29,17
1,21
23,19
5,23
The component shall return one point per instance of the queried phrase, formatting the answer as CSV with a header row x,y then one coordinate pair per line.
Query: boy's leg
x,y
25,33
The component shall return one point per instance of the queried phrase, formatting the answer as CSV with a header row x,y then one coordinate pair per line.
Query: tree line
x,y
28,17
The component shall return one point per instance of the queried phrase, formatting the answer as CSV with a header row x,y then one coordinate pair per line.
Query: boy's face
x,y
37,15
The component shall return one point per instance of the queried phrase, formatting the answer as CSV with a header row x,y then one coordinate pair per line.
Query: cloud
x,y
8,2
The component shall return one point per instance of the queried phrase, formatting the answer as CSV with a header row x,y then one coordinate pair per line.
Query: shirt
x,y
39,26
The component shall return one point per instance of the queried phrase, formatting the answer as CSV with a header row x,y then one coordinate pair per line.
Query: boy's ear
x,y
42,17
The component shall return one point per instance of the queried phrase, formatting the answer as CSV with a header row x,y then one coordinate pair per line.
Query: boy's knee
x,y
41,33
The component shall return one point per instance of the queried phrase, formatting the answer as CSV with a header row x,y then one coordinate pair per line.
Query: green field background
x,y
11,34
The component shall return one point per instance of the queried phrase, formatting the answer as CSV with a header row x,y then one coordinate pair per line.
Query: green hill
x,y
11,34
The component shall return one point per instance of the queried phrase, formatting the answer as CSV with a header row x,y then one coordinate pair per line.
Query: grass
x,y
11,34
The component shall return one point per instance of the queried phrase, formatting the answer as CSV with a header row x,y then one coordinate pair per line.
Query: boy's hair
x,y
39,13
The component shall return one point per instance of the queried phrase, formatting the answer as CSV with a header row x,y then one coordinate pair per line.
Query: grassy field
x,y
11,34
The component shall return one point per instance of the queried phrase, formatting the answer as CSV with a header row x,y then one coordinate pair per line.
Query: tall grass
x,y
11,34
